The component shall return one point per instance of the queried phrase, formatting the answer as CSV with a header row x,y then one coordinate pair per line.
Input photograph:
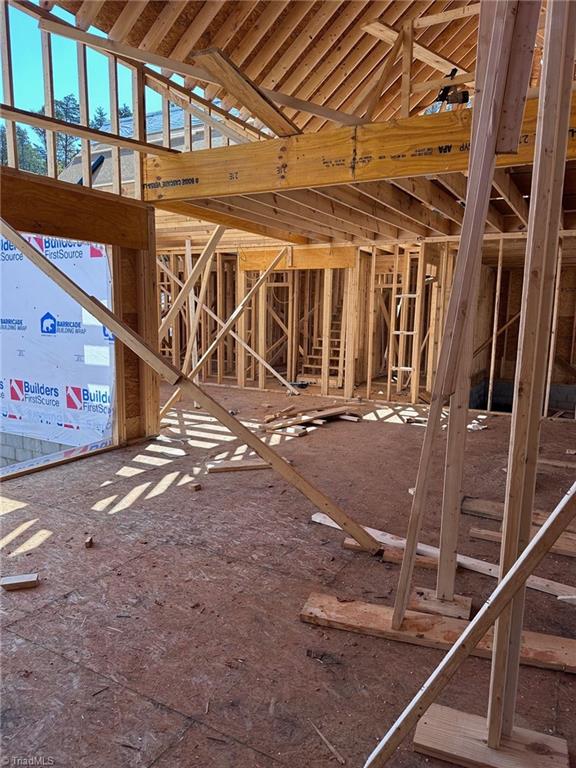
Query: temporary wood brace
x,y
389,540
452,377
188,286
235,315
224,329
494,510
451,735
421,627
535,322
252,352
566,544
172,375
510,584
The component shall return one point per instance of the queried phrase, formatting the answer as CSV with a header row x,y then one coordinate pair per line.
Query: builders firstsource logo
x,y
88,399
57,250
50,325
34,392
9,252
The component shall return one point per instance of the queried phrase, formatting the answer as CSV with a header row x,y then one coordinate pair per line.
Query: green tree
x,y
67,109
124,111
30,155
100,118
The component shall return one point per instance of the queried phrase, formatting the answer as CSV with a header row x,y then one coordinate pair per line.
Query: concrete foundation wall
x,y
17,448
562,396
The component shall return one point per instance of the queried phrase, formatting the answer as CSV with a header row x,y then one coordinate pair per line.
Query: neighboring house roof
x,y
103,175
154,122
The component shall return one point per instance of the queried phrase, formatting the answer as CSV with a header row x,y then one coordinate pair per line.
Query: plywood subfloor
x,y
175,641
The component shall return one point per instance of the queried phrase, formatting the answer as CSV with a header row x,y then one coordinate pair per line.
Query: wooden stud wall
x,y
326,317
32,203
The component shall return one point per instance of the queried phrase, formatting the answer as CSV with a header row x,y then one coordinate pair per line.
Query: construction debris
x,y
237,466
22,581
330,746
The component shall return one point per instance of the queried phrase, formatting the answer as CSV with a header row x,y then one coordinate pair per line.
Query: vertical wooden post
x,y
114,124
495,326
7,83
351,326
402,319
537,297
134,300
261,329
166,127
175,335
48,75
228,309
84,113
371,322
407,55
290,363
392,357
187,131
464,294
453,473
326,331
417,337
552,350
139,118
434,323
306,327
220,312
241,290
343,276
295,327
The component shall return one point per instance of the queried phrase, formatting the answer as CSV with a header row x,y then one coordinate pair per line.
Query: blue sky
x,y
27,68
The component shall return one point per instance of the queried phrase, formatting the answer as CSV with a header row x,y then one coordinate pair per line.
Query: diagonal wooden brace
x,y
173,376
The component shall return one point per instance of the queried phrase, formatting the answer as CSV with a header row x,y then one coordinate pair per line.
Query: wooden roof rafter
x,y
251,39
454,40
362,60
448,35
276,70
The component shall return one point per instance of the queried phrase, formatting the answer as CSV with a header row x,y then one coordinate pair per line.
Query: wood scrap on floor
x,y
463,561
241,465
394,556
278,415
446,733
570,599
311,415
20,581
494,510
330,746
538,649
556,464
566,544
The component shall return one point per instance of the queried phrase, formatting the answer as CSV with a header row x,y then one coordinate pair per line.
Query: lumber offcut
x,y
566,544
448,734
538,650
463,561
237,466
21,581
494,510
